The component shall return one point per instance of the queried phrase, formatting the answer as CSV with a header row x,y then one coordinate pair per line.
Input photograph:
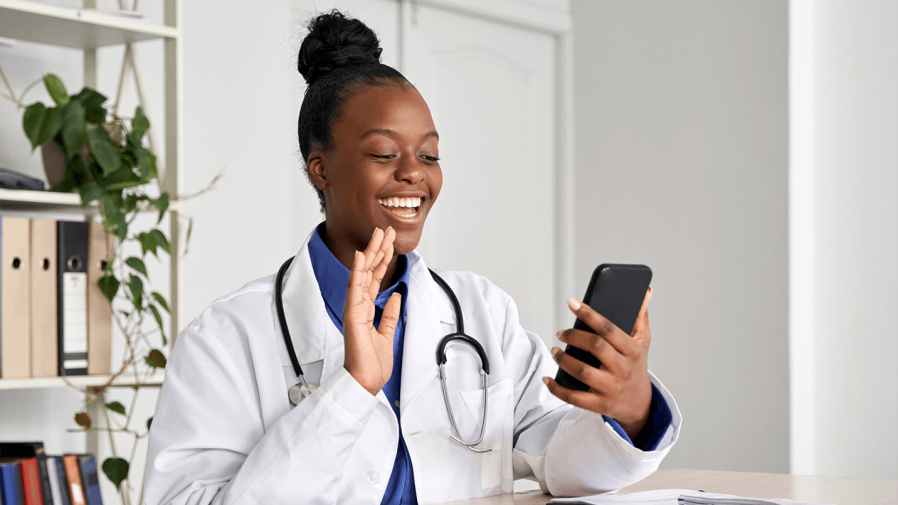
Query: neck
x,y
344,250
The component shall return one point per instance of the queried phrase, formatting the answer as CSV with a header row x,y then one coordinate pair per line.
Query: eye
x,y
432,159
384,156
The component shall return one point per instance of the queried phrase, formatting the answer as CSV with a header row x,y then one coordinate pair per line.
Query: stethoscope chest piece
x,y
299,392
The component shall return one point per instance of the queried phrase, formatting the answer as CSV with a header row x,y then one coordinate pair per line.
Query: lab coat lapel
x,y
426,307
313,333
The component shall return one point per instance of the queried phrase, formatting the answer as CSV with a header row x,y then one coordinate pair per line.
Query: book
x,y
99,314
11,483
44,356
90,479
61,482
31,482
31,450
73,477
71,298
15,299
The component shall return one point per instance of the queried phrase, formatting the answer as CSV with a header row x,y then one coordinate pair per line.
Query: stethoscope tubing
x,y
297,392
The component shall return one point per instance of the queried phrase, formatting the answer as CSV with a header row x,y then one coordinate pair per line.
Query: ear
x,y
316,169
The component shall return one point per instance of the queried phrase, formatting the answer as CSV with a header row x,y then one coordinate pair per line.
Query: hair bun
x,y
335,41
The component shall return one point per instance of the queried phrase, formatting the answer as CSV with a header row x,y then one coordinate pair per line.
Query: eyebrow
x,y
393,135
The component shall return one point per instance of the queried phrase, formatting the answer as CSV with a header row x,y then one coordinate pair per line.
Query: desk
x,y
807,488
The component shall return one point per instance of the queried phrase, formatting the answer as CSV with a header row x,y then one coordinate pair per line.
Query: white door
x,y
490,88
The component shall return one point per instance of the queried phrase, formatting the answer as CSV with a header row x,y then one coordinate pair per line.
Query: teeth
x,y
409,202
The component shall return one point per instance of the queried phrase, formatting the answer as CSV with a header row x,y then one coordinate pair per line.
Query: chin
x,y
406,242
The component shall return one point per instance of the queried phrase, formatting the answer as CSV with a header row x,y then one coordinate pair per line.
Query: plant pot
x,y
54,161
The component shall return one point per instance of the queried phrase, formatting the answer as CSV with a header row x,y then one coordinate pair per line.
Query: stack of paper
x,y
674,497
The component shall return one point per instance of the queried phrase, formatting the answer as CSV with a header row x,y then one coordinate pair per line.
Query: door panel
x,y
490,88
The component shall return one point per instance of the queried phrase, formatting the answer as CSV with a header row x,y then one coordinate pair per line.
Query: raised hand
x,y
620,387
369,351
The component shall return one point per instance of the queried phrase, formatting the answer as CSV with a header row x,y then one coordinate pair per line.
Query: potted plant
x,y
106,162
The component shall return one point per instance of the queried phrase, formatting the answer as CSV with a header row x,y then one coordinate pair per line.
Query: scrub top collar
x,y
333,277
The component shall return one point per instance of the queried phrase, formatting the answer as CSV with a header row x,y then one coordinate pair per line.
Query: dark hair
x,y
339,58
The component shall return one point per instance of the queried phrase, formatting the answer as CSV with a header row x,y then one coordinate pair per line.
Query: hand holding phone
x,y
604,367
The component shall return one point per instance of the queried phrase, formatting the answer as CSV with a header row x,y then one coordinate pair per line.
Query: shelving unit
x,y
87,29
124,380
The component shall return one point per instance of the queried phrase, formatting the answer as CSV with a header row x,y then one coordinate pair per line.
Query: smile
x,y
401,206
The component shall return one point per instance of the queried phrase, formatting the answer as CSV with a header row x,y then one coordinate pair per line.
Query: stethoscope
x,y
298,392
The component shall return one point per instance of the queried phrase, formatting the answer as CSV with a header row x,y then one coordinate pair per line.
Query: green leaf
x,y
116,469
149,422
90,191
137,264
114,217
56,89
103,150
89,98
136,287
147,243
158,318
93,105
140,124
161,203
109,286
40,123
161,240
161,301
116,407
156,359
82,419
72,129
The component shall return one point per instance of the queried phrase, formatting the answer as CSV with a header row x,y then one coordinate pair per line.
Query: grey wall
x,y
681,155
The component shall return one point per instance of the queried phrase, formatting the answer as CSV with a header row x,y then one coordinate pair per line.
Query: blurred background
x,y
747,151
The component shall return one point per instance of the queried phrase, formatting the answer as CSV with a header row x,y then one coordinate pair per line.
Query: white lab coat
x,y
225,432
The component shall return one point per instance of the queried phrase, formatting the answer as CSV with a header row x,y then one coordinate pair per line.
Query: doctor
x,y
364,318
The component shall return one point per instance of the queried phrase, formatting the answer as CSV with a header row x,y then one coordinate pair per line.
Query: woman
x,y
365,318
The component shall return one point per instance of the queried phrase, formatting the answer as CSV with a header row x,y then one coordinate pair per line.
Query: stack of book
x,y
54,320
29,477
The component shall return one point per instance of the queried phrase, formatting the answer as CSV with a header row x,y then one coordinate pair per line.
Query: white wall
x,y
681,163
845,182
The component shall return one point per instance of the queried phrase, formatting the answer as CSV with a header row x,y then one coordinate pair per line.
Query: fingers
x,y
373,247
594,344
383,258
603,327
586,400
357,297
390,317
597,378
641,331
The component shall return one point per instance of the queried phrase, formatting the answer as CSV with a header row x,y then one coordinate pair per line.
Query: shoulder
x,y
237,316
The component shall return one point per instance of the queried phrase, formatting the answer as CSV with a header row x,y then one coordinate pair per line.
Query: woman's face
x,y
383,169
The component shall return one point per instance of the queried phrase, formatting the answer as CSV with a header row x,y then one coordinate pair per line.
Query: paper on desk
x,y
674,497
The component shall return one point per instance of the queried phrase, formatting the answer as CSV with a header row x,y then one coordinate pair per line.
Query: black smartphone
x,y
616,292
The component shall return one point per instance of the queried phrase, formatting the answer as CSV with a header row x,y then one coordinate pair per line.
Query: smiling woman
x,y
362,316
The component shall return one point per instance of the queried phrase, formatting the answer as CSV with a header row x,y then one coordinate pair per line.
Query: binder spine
x,y
72,297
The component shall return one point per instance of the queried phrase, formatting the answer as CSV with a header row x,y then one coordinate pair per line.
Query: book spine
x,y
31,482
90,479
64,491
44,475
10,492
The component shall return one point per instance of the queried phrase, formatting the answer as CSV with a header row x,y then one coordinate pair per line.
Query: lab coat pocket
x,y
495,435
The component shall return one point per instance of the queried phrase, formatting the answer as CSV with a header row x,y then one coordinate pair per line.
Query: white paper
x,y
674,497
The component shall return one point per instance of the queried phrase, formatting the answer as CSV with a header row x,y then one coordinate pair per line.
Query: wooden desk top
x,y
806,488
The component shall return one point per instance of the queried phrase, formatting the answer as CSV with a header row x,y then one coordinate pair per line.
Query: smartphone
x,y
616,292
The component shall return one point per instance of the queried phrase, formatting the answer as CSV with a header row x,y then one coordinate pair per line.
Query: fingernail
x,y
546,381
555,352
573,304
560,336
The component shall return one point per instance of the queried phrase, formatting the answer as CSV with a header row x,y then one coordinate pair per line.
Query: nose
x,y
409,170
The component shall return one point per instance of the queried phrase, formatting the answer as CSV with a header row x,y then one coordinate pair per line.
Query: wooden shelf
x,y
74,28
46,201
124,380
